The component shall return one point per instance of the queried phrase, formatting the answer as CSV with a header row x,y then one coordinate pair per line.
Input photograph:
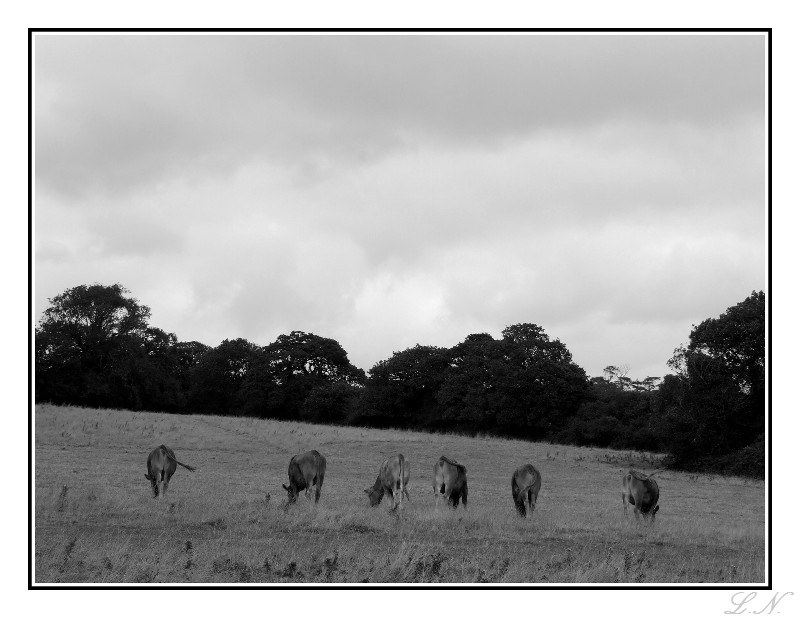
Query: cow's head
x,y
292,493
375,496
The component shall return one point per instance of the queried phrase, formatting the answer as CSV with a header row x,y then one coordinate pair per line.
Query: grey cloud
x,y
388,191
164,104
129,234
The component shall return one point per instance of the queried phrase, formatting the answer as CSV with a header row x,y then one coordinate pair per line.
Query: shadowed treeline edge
x,y
94,347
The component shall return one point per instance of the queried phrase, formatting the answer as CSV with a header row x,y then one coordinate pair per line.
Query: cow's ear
x,y
367,491
286,488
655,510
147,476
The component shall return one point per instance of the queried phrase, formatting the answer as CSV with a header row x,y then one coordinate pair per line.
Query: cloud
x,y
389,191
115,112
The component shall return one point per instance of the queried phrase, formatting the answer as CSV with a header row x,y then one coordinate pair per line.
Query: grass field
x,y
96,521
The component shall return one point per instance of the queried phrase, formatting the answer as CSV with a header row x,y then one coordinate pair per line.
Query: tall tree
x,y
476,384
524,384
714,405
737,340
551,386
401,391
94,347
219,375
291,368
188,356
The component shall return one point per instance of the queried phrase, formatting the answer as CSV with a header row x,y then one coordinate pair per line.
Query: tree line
x,y
94,347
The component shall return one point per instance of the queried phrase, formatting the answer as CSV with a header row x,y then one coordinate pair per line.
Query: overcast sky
x,y
387,191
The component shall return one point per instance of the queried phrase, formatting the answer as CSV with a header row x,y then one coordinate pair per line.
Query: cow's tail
x,y
652,474
318,489
402,476
172,457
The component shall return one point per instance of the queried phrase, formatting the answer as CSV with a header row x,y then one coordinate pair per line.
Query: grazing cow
x,y
641,491
304,471
525,485
449,482
161,465
392,481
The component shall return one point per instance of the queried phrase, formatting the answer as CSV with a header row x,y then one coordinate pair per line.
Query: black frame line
x,y
398,586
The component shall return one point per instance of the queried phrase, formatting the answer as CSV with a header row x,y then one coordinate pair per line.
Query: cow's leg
x,y
447,494
317,492
624,504
161,483
153,485
439,493
167,478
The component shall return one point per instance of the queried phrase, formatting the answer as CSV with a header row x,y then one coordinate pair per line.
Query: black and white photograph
x,y
401,309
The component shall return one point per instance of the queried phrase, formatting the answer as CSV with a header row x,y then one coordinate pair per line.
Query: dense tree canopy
x,y
217,378
714,405
95,347
401,391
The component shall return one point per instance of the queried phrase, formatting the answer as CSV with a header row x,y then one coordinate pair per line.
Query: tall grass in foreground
x,y
95,519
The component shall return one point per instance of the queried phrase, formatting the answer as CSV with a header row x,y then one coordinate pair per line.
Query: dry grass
x,y
95,519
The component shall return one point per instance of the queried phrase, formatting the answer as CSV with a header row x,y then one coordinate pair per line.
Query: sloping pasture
x,y
95,519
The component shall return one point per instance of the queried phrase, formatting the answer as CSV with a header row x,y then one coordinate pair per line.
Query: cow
x,y
304,471
525,485
641,491
161,465
449,482
392,481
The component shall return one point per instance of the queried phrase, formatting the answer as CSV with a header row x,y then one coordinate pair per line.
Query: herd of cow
x,y
307,472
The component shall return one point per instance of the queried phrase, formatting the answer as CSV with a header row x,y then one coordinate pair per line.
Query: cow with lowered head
x,y
391,482
642,492
305,471
449,482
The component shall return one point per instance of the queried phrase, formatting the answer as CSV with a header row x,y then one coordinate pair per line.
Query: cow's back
x,y
527,477
450,473
391,470
307,468
640,489
161,459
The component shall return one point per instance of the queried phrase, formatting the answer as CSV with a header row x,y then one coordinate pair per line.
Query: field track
x,y
96,520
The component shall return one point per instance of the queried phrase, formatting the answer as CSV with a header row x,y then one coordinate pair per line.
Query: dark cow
x,y
392,482
641,491
449,482
304,471
525,485
161,465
